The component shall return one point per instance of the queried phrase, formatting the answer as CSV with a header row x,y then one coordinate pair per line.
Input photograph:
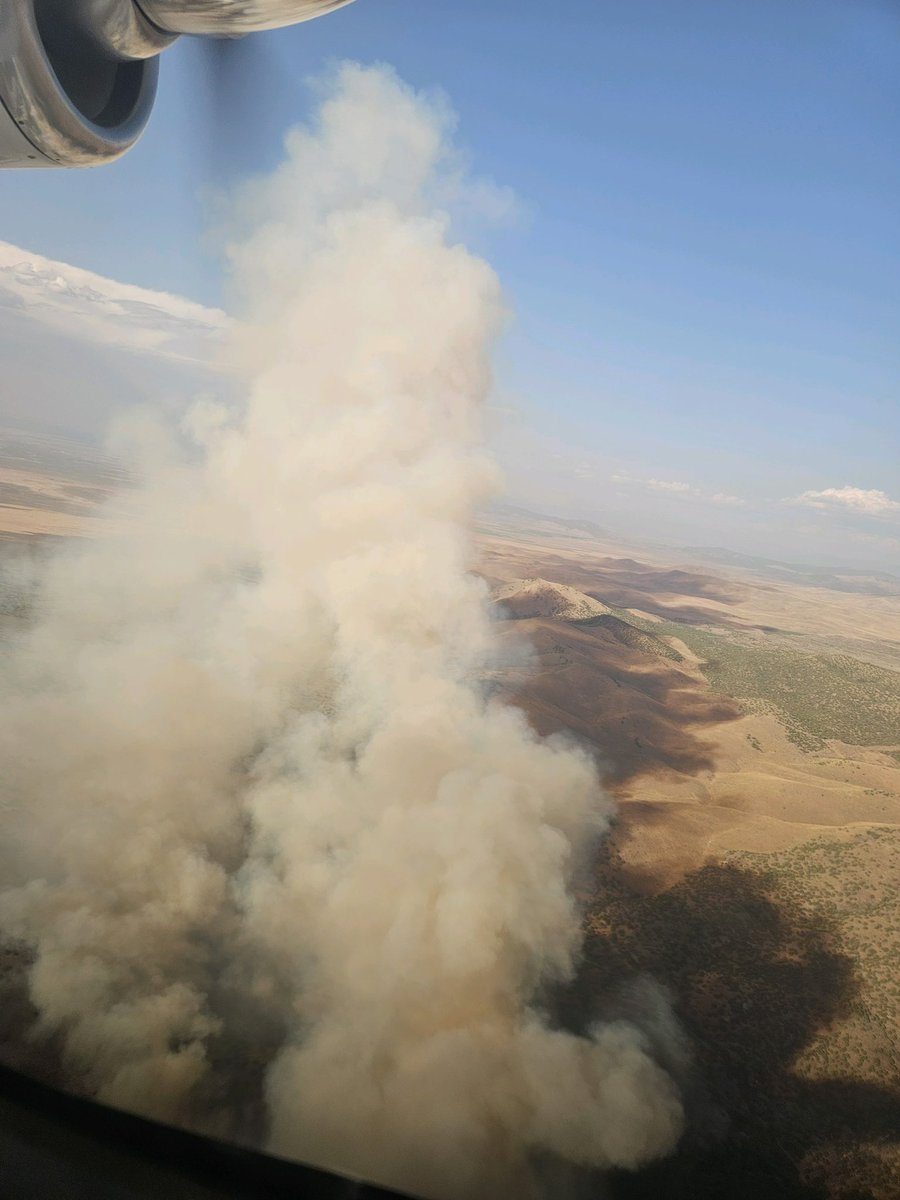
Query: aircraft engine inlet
x,y
78,77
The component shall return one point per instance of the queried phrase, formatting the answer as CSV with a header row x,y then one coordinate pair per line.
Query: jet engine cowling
x,y
78,77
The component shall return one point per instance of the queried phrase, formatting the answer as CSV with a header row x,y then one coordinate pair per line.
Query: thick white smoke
x,y
251,776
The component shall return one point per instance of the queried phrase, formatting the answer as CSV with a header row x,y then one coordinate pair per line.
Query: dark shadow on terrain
x,y
639,712
683,614
754,982
630,584
656,592
627,575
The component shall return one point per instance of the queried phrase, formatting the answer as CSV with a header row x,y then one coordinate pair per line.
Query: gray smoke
x,y
258,812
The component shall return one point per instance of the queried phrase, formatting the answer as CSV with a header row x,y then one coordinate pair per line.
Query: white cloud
x,y
678,487
102,309
78,348
870,501
672,485
726,498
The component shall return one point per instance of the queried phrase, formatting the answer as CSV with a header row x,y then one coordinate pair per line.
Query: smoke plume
x,y
260,819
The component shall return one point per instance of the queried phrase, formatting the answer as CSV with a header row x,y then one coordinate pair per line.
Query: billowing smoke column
x,y
259,813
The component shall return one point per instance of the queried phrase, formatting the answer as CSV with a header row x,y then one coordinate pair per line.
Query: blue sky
x,y
704,265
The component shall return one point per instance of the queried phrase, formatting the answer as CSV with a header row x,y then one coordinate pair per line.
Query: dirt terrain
x,y
750,731
748,724
52,486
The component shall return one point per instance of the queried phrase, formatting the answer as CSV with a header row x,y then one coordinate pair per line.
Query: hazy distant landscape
x,y
748,723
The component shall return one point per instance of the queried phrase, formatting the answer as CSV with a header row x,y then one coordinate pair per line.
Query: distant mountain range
x,y
857,580
520,517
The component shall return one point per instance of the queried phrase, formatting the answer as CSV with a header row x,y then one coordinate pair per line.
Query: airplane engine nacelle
x,y
78,77
77,80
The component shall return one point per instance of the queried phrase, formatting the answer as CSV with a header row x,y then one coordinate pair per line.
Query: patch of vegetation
x,y
815,696
801,738
624,631
643,623
853,884
821,696
783,969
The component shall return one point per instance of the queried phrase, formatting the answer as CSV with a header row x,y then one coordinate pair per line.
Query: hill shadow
x,y
639,713
755,980
625,583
